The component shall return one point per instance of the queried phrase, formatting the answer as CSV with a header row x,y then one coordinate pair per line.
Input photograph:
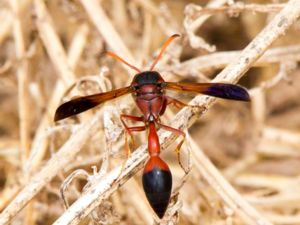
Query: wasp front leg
x,y
129,130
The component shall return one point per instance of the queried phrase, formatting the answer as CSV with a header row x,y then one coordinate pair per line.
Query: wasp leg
x,y
178,147
129,130
180,104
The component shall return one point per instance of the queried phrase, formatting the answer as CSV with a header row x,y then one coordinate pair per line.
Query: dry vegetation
x,y
245,158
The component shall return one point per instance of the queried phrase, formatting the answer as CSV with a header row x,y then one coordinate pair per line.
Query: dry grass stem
x,y
245,157
107,30
77,45
229,195
52,43
219,60
235,70
22,74
54,165
240,7
23,96
55,48
149,6
191,26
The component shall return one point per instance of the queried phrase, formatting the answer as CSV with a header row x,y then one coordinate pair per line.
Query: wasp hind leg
x,y
128,131
178,147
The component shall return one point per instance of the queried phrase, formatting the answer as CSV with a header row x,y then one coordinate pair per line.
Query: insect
x,y
148,89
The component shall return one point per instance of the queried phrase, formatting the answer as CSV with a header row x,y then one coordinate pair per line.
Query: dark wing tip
x,y
81,104
247,97
73,107
59,115
240,93
62,112
229,91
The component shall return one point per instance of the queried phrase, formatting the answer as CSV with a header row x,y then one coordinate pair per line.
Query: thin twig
x,y
54,48
192,25
149,6
5,26
58,161
61,62
77,45
219,60
7,195
228,194
52,43
23,97
240,7
6,20
107,185
58,57
107,30
234,71
22,75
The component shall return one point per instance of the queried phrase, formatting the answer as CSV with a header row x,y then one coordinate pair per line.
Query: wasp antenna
x,y
122,60
170,39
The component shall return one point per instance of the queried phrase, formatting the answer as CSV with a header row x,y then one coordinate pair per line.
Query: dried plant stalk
x,y
107,30
23,96
22,74
240,62
186,117
59,59
240,7
51,169
219,60
52,43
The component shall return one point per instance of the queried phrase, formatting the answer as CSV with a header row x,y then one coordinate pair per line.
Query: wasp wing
x,y
81,104
220,90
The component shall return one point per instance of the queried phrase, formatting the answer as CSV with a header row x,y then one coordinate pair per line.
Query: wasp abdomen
x,y
157,183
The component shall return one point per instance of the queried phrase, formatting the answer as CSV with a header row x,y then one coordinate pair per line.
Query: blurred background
x,y
51,51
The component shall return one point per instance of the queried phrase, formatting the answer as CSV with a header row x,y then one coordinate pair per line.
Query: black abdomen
x,y
157,185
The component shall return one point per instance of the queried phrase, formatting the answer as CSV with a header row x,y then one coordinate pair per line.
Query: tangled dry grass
x,y
244,157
